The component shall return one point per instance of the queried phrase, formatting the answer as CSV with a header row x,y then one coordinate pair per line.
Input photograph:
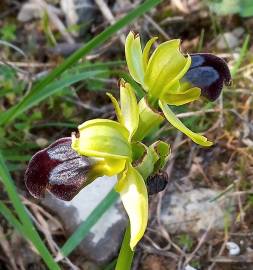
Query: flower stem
x,y
126,255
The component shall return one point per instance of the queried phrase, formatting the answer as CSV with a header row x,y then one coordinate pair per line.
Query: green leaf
x,y
246,8
92,44
33,98
225,7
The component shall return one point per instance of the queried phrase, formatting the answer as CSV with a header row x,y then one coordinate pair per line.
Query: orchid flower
x,y
110,142
171,78
102,147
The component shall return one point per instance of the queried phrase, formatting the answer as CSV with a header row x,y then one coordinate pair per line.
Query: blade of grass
x,y
55,124
8,215
34,98
8,116
111,266
138,90
23,216
222,193
84,228
91,66
242,55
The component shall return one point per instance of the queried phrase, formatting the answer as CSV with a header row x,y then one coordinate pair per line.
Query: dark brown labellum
x,y
157,182
209,73
59,169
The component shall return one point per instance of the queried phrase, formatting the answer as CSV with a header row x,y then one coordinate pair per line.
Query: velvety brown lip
x,y
210,73
58,169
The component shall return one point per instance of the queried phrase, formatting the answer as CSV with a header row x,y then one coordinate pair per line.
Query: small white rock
x,y
227,40
103,241
41,142
188,267
69,9
233,248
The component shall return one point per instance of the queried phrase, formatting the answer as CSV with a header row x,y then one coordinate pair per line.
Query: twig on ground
x,y
200,243
157,27
105,10
7,250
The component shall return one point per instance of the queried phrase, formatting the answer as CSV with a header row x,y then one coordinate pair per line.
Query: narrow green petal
x,y
148,120
133,54
182,97
129,108
116,107
133,193
102,138
171,117
147,50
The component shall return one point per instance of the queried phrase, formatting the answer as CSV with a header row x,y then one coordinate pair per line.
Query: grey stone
x,y
102,243
80,12
228,40
34,9
238,32
193,211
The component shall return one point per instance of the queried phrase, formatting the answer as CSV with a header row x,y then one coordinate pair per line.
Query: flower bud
x,y
157,182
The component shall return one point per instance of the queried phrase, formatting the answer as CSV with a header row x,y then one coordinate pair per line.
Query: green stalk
x,y
126,255
95,42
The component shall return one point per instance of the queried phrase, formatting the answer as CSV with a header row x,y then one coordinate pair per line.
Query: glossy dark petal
x,y
57,168
209,73
157,182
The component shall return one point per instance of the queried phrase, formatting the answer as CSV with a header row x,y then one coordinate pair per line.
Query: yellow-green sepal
x,y
129,108
102,138
149,118
134,196
181,97
133,52
171,117
116,107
